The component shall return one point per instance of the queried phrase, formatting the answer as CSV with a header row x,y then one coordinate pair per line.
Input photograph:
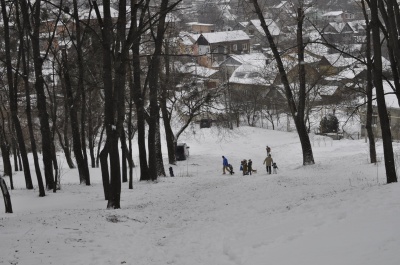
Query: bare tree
x,y
32,19
380,95
12,88
296,109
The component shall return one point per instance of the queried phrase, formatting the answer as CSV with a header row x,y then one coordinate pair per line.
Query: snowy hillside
x,y
338,211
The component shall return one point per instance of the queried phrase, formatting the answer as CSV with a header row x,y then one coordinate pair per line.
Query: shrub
x,y
329,124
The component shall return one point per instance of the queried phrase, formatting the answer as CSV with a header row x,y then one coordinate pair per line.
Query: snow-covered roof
x,y
197,70
337,59
338,26
224,36
350,73
357,25
333,13
327,90
244,23
272,26
90,13
250,75
199,24
280,5
256,59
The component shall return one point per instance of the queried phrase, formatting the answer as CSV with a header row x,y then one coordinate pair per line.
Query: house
x,y
257,35
338,16
203,76
345,34
282,12
332,64
197,27
213,48
253,85
228,66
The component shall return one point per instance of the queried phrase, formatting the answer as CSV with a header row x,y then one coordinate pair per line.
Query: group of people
x,y
246,166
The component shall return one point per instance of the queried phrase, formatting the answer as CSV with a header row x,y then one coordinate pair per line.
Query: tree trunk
x,y
124,158
81,91
6,196
39,87
25,66
139,98
13,100
104,170
308,157
5,154
380,96
166,116
90,133
297,113
369,88
83,171
160,161
154,69
99,146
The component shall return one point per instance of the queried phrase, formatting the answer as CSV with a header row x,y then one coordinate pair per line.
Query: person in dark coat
x,y
231,169
245,169
268,150
250,166
171,172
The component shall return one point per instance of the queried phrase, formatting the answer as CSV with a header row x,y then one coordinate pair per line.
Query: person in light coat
x,y
268,163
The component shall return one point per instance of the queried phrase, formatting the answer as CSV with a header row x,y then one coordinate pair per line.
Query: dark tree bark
x,y
91,137
13,99
166,115
99,146
138,94
160,161
297,112
369,88
154,70
6,196
25,71
5,154
130,129
64,138
124,157
389,14
380,96
82,93
47,140
114,94
82,166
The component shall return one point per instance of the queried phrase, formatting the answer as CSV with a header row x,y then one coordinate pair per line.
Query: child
x,y
231,169
274,166
268,150
250,166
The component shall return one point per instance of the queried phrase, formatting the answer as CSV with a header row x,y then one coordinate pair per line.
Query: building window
x,y
244,46
234,47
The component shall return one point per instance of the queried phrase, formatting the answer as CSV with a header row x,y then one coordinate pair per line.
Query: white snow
x,y
338,211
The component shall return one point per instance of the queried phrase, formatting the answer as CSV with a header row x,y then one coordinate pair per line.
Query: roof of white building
x,y
333,13
272,26
224,36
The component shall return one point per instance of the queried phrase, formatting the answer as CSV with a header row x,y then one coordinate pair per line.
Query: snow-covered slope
x,y
338,211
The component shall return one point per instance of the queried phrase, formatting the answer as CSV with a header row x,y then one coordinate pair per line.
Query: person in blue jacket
x,y
225,165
